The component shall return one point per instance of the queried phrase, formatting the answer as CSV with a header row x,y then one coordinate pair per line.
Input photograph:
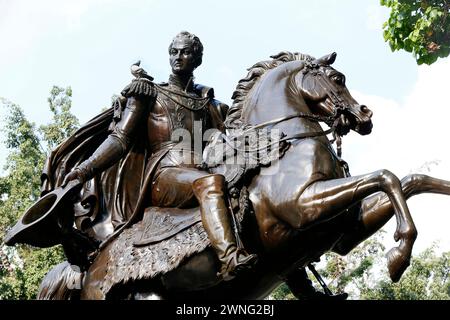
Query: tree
x,y
428,278
282,293
419,26
357,270
20,187
64,122
23,267
362,274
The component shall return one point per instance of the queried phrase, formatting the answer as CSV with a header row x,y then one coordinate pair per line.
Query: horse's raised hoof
x,y
397,263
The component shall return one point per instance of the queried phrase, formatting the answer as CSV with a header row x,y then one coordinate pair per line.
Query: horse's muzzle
x,y
364,128
361,119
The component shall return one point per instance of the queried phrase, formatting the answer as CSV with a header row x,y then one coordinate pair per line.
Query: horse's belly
x,y
197,273
197,279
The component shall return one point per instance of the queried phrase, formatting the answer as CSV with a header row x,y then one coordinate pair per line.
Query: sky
x,y
90,45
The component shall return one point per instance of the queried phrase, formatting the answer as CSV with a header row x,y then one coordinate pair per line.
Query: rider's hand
x,y
72,175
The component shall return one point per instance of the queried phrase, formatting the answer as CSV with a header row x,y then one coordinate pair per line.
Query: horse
x,y
303,205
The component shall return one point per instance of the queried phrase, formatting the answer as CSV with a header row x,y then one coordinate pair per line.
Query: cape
x,y
113,193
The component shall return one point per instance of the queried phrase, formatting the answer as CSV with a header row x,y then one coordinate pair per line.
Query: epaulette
x,y
140,87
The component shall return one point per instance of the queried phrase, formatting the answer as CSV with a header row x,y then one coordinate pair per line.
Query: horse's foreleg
x,y
376,210
323,200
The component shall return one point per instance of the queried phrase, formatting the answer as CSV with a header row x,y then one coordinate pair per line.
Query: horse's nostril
x,y
366,110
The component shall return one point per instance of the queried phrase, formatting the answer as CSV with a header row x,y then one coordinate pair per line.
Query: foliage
x,y
418,26
22,282
344,274
23,267
20,187
363,274
355,271
428,278
282,293
64,122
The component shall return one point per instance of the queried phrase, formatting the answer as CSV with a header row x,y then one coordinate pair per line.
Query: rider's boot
x,y
212,197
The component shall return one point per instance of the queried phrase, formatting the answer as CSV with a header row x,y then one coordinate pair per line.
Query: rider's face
x,y
182,58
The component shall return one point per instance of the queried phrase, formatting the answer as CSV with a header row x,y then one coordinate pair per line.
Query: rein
x,y
313,117
332,119
297,136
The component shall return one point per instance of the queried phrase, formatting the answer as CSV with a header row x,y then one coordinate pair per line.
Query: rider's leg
x,y
175,187
172,187
212,196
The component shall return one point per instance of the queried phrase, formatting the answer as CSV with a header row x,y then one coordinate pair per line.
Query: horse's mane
x,y
254,74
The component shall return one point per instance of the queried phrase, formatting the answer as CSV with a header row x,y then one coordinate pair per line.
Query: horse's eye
x,y
338,79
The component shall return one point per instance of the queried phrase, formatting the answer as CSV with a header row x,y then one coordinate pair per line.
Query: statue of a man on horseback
x,y
122,194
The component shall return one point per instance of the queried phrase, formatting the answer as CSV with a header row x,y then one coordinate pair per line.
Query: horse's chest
x,y
304,163
274,193
314,157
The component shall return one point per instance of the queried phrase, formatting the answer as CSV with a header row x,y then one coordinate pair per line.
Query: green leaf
x,y
413,24
21,187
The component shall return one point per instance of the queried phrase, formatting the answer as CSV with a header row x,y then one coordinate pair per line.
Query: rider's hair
x,y
196,45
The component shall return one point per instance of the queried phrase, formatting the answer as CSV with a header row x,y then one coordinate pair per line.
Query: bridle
x,y
340,107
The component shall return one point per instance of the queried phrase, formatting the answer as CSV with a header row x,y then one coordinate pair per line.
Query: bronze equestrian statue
x,y
154,218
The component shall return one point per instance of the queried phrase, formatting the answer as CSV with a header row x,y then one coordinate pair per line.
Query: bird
x,y
139,72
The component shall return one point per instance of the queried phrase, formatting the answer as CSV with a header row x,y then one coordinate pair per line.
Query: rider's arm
x,y
119,141
221,107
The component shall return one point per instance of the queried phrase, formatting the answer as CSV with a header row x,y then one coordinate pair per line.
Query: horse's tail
x,y
61,283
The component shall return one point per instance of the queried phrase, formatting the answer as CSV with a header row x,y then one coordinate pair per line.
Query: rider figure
x,y
157,111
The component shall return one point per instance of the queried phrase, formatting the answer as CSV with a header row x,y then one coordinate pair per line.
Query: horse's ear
x,y
328,59
331,58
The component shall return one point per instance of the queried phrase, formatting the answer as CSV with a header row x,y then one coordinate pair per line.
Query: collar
x,y
184,83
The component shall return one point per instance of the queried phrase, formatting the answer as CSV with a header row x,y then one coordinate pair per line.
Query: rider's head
x,y
186,52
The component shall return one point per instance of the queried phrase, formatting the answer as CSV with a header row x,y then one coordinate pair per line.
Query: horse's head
x,y
324,90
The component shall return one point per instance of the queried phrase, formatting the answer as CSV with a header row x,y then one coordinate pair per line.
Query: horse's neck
x,y
272,99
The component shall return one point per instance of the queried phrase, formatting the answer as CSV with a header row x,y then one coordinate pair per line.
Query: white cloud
x,y
411,136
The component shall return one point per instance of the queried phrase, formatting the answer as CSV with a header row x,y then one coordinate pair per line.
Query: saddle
x,y
159,224
160,242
